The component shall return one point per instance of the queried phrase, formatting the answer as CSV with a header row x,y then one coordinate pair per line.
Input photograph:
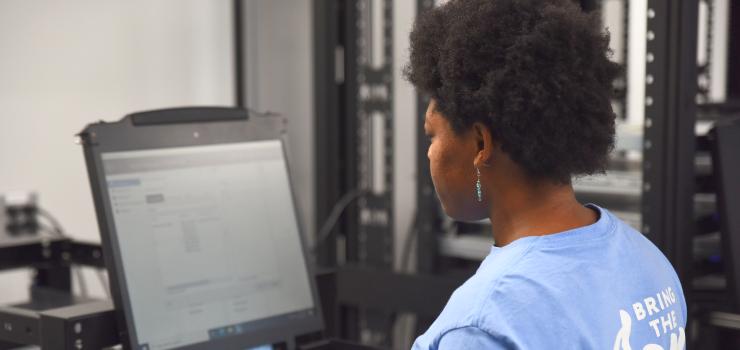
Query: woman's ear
x,y
485,145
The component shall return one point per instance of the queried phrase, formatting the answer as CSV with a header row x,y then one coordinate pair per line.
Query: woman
x,y
520,103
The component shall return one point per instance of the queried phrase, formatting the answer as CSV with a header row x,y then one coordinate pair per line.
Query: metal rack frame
x,y
53,319
669,139
667,193
350,93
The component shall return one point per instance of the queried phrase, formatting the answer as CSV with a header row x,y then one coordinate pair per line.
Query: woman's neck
x,y
518,212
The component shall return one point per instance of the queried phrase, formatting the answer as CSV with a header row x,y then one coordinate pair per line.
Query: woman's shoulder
x,y
480,293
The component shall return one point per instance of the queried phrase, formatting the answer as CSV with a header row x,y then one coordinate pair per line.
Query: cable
x,y
411,235
58,230
49,230
407,249
336,212
262,114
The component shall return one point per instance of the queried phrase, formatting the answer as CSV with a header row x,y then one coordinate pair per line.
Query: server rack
x,y
354,149
665,190
669,137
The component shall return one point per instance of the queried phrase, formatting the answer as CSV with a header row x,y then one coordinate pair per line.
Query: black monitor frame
x,y
180,128
725,140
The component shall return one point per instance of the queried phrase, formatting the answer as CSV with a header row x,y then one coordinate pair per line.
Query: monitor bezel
x,y
123,136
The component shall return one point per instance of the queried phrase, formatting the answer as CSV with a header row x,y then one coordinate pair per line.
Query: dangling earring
x,y
478,189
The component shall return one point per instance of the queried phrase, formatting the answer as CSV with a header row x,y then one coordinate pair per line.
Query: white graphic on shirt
x,y
623,336
622,341
660,314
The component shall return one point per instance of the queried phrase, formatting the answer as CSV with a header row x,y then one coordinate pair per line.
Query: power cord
x,y
408,244
336,212
56,226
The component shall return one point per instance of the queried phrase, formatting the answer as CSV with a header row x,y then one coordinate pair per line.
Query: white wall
x,y
68,63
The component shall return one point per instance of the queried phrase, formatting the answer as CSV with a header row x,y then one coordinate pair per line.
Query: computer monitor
x,y
725,139
200,234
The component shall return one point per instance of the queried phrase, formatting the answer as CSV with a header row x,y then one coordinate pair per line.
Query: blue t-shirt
x,y
602,286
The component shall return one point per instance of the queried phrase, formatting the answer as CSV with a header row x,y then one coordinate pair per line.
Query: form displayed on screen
x,y
208,239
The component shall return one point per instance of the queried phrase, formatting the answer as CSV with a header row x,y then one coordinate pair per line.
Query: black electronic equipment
x,y
53,318
199,230
725,138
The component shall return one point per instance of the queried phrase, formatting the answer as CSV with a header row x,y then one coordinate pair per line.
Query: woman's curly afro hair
x,y
536,72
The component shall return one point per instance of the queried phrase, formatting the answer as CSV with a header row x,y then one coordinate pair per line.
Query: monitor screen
x,y
209,241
